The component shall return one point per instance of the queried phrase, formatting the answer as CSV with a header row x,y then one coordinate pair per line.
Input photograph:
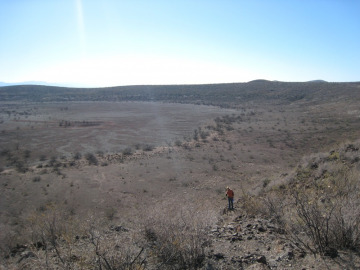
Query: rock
x,y
74,258
290,255
239,238
257,266
331,252
39,245
209,266
25,255
261,259
261,229
119,228
219,256
17,249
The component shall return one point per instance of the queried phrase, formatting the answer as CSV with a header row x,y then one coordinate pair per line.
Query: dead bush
x,y
59,240
178,237
321,215
252,204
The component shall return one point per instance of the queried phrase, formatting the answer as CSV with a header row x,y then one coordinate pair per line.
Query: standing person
x,y
230,196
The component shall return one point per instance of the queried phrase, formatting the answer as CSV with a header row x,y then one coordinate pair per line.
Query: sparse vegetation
x,y
320,208
77,156
177,240
178,143
283,211
127,151
148,147
91,158
36,179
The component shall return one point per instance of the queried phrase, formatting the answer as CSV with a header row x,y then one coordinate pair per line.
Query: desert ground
x,y
125,162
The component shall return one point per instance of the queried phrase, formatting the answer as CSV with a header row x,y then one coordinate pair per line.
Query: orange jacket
x,y
230,193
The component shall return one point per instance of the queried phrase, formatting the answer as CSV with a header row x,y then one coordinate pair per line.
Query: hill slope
x,y
228,95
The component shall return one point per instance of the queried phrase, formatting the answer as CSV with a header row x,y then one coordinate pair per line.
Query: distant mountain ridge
x,y
227,95
24,83
317,81
36,83
81,86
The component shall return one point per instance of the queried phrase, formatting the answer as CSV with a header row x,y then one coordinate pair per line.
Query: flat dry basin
x,y
66,128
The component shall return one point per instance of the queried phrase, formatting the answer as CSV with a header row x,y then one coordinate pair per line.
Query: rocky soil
x,y
238,241
241,241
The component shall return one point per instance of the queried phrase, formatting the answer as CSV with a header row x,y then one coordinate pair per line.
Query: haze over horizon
x,y
114,43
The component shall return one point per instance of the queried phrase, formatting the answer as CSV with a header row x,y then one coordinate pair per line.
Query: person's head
x,y
227,188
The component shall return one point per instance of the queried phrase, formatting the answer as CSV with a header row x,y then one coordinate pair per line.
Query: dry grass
x,y
319,208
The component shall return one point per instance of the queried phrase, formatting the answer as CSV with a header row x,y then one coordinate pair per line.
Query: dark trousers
x,y
231,203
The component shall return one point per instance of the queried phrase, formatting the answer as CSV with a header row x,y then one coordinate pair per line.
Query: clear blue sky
x,y
108,42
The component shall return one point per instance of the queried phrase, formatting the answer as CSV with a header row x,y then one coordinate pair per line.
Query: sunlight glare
x,y
140,70
80,25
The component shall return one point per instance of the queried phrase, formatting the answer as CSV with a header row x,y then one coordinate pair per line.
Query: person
x,y
230,196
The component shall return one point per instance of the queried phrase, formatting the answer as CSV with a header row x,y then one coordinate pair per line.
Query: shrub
x,y
322,215
72,163
77,156
110,213
91,159
127,151
204,134
196,135
27,153
53,161
266,182
178,143
5,152
148,147
20,166
176,239
61,241
36,179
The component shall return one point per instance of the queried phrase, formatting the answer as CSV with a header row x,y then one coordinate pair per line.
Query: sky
x,y
110,43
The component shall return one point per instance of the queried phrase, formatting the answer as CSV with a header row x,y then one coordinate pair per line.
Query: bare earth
x,y
257,143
